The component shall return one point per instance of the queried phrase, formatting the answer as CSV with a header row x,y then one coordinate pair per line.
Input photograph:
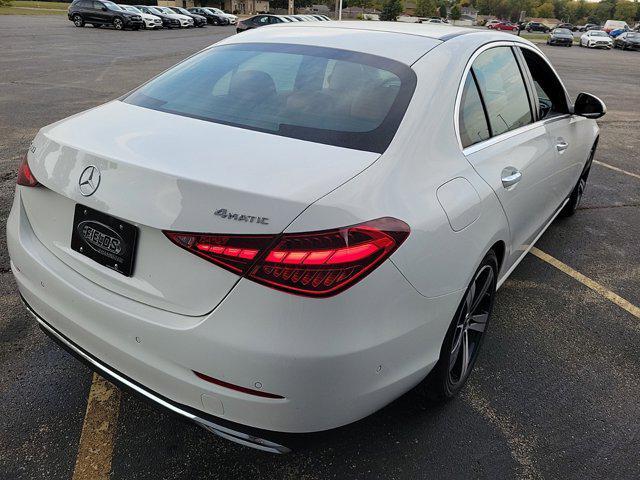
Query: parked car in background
x,y
101,13
149,21
560,36
506,26
489,23
260,21
617,31
232,18
588,26
198,20
568,26
537,27
596,39
168,21
212,17
185,21
627,40
611,25
323,265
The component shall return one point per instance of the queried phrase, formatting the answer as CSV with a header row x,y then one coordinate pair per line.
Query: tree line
x,y
571,11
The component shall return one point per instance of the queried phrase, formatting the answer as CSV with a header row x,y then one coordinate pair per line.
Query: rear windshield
x,y
330,96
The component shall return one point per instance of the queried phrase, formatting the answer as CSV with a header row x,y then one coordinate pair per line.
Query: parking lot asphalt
x,y
556,391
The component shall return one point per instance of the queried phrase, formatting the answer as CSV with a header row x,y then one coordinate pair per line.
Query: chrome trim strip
x,y
530,246
476,147
503,136
224,432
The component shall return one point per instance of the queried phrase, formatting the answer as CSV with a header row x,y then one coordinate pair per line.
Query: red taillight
x,y
233,252
317,264
25,176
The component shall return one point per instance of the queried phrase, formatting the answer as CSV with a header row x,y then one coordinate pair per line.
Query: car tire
x,y
78,21
118,23
575,197
464,337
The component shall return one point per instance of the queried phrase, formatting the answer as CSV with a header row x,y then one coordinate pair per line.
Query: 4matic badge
x,y
241,217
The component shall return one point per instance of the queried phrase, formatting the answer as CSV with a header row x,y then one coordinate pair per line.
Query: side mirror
x,y
589,106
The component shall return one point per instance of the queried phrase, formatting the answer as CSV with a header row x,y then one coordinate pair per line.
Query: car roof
x,y
404,42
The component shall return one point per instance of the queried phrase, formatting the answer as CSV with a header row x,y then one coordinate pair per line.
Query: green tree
x,y
425,8
545,10
391,10
581,9
443,10
455,12
625,11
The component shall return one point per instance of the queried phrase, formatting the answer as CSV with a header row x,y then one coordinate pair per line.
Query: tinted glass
x,y
473,122
562,31
112,6
551,96
319,94
503,89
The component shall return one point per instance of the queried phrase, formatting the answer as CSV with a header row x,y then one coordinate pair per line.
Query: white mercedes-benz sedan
x,y
371,185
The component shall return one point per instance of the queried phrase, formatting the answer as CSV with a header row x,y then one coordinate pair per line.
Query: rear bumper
x,y
234,432
333,360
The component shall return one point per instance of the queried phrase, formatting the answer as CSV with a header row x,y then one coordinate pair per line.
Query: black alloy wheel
x,y
466,333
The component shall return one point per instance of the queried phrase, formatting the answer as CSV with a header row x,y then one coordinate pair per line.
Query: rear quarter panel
x,y
424,155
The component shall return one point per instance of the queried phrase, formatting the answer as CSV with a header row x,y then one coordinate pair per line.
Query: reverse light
x,y
316,264
25,176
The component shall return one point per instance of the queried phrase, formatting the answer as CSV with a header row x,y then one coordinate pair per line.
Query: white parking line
x,y
586,281
617,169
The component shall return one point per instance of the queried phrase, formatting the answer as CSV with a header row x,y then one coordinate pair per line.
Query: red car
x,y
505,26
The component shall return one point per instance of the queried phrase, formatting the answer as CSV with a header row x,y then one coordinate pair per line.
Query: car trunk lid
x,y
160,171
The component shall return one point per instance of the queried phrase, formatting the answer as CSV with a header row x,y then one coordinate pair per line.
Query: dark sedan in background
x,y
212,17
198,20
259,21
560,36
536,27
627,40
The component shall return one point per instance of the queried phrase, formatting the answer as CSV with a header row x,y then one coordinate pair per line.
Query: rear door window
x,y
503,89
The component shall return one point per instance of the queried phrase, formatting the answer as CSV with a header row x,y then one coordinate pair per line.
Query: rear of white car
x,y
202,289
303,273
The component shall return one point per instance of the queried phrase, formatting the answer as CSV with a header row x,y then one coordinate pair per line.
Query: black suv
x,y
99,13
537,27
212,17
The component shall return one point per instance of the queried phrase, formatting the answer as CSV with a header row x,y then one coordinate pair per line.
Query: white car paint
x,y
185,21
596,38
232,18
150,21
333,360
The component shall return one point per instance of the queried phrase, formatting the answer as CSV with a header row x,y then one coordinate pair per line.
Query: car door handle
x,y
562,146
510,176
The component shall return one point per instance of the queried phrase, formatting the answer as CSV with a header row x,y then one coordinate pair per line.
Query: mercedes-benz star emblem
x,y
89,180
